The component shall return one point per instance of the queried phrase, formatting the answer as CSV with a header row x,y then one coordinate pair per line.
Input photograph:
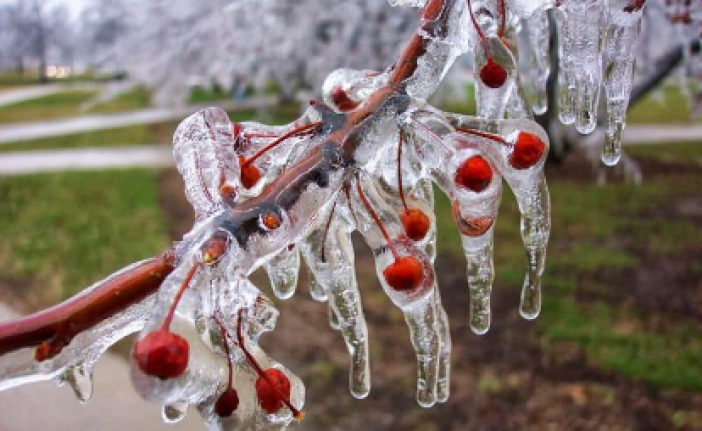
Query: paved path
x,y
28,131
652,133
114,407
10,97
28,162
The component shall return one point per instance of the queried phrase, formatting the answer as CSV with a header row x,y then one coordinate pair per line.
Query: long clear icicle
x,y
581,25
539,36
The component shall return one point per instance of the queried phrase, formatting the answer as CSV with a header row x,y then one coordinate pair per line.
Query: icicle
x,y
422,322
480,273
283,272
581,24
345,302
80,378
621,45
174,412
329,253
539,35
443,389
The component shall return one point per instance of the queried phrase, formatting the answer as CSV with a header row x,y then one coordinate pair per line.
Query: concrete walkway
x,y
653,134
29,162
115,405
28,131
10,97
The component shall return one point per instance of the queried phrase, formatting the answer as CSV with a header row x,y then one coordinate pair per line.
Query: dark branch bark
x,y
665,66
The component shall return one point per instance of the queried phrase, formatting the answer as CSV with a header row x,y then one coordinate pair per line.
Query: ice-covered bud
x,y
162,354
227,403
415,222
474,174
528,150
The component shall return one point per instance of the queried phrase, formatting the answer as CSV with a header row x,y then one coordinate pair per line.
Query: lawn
x,y
62,232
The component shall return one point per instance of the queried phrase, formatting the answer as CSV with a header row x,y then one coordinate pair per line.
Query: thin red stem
x,y
181,290
490,136
326,231
483,39
375,217
433,135
260,135
399,169
249,357
225,337
503,14
278,141
348,201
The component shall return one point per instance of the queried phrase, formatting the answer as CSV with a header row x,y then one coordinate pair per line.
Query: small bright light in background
x,y
58,71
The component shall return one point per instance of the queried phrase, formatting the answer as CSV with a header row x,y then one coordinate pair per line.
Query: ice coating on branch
x,y
365,158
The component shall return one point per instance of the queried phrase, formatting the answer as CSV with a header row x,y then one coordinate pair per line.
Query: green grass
x,y
72,103
667,105
51,107
686,153
67,230
598,231
618,340
134,99
203,95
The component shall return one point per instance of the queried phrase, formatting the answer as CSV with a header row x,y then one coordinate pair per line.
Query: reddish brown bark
x,y
54,328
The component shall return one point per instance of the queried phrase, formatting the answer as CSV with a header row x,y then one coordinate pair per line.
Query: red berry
x,y
271,400
404,274
474,174
527,151
227,403
492,74
162,354
342,100
249,174
416,223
